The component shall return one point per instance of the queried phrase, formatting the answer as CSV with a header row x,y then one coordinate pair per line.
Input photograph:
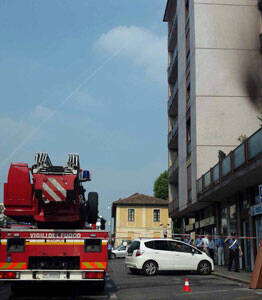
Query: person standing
x,y
165,232
205,244
211,248
234,251
186,239
220,251
199,243
109,250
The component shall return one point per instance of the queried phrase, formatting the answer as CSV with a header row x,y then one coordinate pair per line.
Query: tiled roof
x,y
141,199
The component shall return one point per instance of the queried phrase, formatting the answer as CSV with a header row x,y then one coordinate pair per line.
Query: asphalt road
x,y
121,284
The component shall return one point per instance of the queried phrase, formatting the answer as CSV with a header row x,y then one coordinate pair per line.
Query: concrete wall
x,y
182,153
228,66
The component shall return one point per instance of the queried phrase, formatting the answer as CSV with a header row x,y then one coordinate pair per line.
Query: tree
x,y
161,186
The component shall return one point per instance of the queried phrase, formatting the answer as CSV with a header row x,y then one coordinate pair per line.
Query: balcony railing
x,y
173,96
187,22
172,39
173,132
249,150
173,172
188,148
174,58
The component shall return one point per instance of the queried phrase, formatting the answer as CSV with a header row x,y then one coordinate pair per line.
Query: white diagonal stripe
x,y
51,192
58,186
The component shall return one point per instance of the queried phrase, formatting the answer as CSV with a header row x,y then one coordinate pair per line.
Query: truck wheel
x,y
92,207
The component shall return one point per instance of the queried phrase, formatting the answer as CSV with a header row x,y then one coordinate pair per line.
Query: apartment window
x,y
156,215
131,215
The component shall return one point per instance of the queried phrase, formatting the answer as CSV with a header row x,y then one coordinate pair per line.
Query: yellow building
x,y
140,216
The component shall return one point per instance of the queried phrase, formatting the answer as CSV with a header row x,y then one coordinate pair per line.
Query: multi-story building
x,y
213,89
140,216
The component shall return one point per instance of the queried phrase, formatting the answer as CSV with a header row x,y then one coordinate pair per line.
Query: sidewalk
x,y
242,276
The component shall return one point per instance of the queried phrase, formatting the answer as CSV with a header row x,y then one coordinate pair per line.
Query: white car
x,y
119,252
153,255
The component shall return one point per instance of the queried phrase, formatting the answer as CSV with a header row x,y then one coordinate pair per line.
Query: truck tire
x,y
5,291
92,207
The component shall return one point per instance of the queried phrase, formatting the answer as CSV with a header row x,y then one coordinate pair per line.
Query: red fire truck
x,y
54,236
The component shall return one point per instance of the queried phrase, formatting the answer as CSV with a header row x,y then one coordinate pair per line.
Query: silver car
x,y
120,251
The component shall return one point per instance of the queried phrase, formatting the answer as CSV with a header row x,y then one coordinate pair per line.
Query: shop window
x,y
224,223
233,218
131,215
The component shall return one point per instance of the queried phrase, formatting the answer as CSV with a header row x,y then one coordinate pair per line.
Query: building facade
x,y
230,198
213,95
140,216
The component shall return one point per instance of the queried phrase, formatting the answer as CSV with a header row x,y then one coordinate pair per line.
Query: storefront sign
x,y
256,209
196,225
189,227
207,222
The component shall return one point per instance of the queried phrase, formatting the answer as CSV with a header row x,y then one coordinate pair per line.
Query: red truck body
x,y
55,245
33,254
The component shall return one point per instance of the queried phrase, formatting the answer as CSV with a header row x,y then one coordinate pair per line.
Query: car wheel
x,y
204,267
113,256
134,271
150,268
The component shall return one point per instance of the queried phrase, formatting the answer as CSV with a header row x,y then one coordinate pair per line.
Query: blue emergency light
x,y
85,176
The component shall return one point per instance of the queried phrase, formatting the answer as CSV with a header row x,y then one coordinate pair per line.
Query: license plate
x,y
48,275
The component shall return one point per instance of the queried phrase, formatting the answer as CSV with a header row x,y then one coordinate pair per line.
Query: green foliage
x,y
161,186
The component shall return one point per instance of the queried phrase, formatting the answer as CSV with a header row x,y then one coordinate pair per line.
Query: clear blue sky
x,y
86,77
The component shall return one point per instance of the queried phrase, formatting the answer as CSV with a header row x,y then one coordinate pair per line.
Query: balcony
x,y
173,102
187,26
172,35
173,137
173,172
173,207
188,149
240,168
172,69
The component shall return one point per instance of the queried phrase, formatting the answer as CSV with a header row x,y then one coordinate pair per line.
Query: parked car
x,y
120,251
153,255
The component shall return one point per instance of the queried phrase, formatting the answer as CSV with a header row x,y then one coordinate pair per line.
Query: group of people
x,y
210,245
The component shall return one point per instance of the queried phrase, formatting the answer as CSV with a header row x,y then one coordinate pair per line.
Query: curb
x,y
231,278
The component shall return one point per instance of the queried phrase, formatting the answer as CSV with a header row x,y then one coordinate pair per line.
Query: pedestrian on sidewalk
x,y
234,251
211,248
205,244
186,240
220,251
109,250
165,232
199,243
